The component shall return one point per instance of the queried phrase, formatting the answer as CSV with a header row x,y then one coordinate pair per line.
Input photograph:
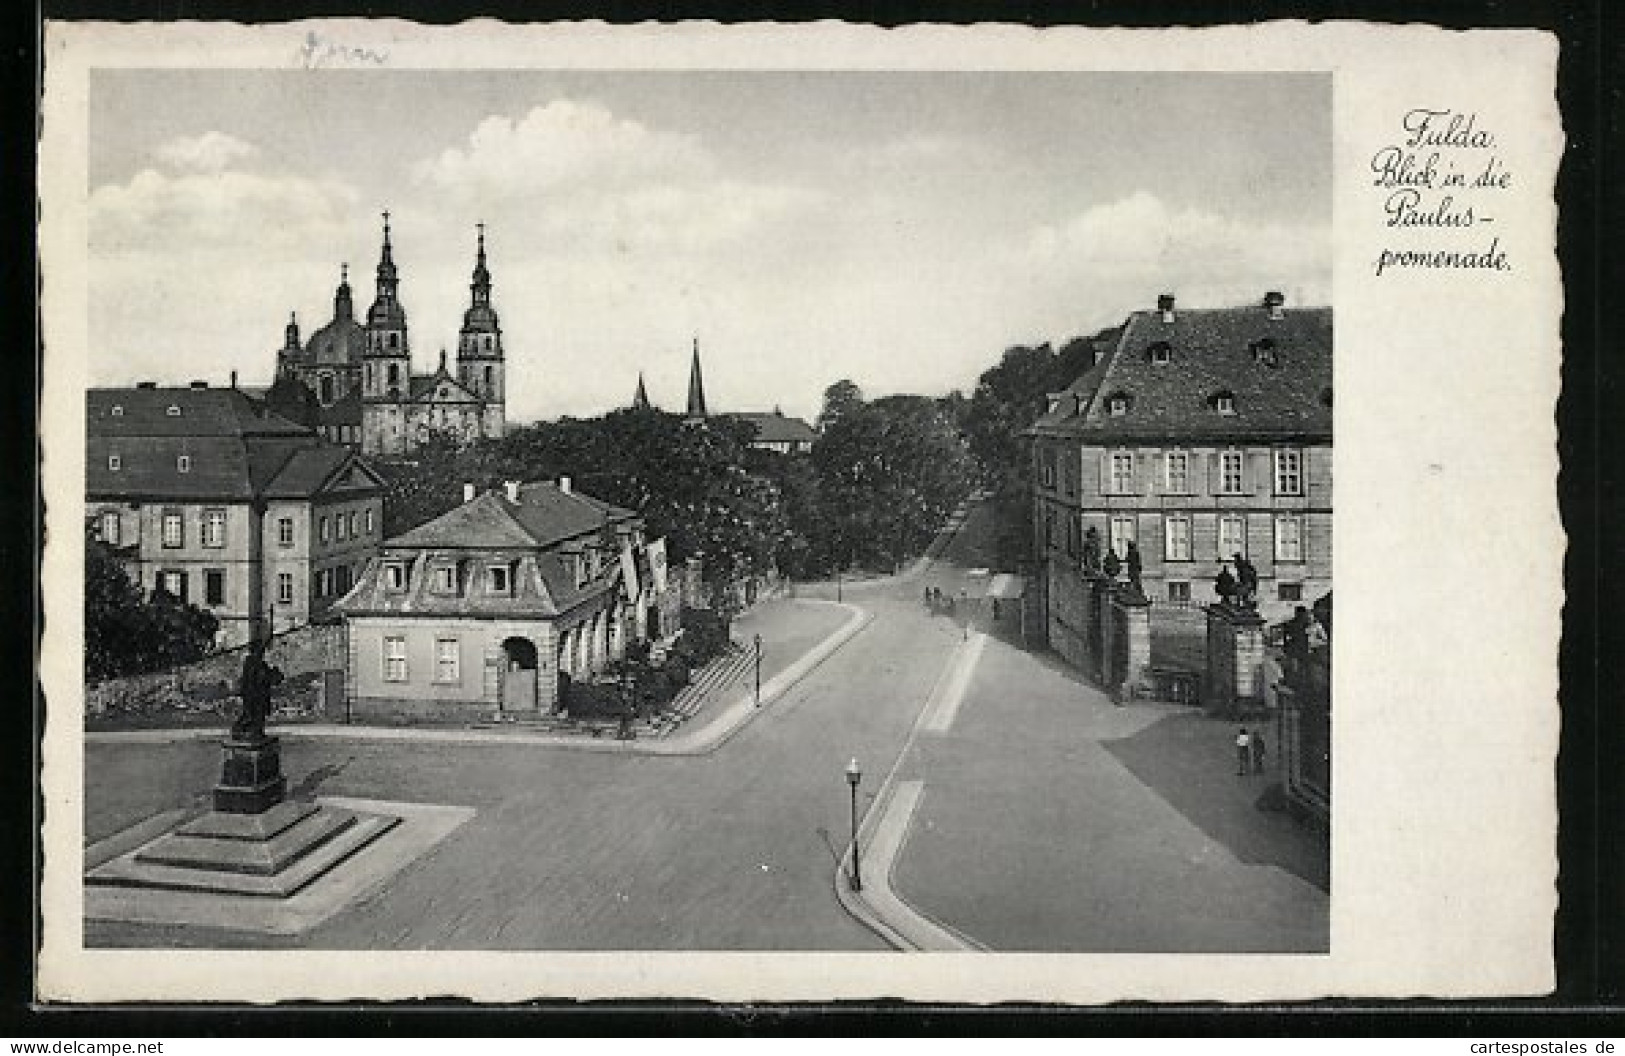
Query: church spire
x,y
640,399
386,313
481,286
387,278
290,333
343,306
696,386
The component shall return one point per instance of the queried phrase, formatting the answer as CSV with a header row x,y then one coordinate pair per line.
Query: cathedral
x,y
353,381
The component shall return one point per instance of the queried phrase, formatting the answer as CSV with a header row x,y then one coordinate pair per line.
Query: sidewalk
x,y
1044,817
796,635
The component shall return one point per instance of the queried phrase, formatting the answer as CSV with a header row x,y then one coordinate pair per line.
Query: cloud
x,y
210,152
586,181
165,213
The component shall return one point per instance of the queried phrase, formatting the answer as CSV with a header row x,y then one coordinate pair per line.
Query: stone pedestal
x,y
251,780
1235,651
1131,612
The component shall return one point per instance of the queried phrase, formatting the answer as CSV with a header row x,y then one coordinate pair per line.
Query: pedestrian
x,y
1259,751
1244,752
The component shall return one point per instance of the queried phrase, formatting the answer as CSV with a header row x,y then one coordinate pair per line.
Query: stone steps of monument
x,y
261,857
128,871
715,676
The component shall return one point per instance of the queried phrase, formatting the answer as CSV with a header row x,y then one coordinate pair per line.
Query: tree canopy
x,y
128,634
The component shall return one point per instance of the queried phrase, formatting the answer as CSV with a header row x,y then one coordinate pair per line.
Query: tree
x,y
126,634
839,398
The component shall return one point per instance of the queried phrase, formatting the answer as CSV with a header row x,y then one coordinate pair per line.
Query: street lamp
x,y
853,776
758,670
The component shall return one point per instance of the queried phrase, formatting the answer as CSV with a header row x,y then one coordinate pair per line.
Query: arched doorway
x,y
518,674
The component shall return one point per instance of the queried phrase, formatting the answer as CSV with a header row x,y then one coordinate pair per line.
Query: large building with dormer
x,y
352,381
1199,435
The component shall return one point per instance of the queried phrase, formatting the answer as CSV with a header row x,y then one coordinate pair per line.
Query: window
x,y
1117,405
499,579
1074,537
1288,538
338,526
173,584
1232,537
1176,538
1231,469
1120,473
110,526
324,582
174,532
395,576
284,531
367,520
488,371
1049,529
394,659
394,342
1122,534
1288,471
1179,592
349,523
1289,591
118,410
183,463
1048,462
326,530
1224,403
342,580
1160,352
284,588
172,411
446,660
214,528
214,586
445,579
327,388
114,463
1177,475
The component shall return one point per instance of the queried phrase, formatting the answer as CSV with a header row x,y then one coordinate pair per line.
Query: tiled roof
x,y
773,427
1277,373
311,470
543,517
199,412
232,447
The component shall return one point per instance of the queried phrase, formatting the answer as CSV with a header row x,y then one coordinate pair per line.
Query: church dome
x,y
339,343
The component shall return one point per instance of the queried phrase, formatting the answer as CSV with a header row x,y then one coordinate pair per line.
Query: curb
x,y
701,741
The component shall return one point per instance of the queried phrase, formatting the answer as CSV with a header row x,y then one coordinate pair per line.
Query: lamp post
x,y
853,776
758,670
837,584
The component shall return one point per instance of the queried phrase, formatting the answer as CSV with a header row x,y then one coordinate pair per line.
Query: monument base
x,y
251,780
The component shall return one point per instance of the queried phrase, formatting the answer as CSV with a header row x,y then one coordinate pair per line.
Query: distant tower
x,y
480,362
387,369
640,399
289,355
696,387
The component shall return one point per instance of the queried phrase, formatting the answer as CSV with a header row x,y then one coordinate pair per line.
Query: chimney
x,y
469,491
234,380
564,485
146,384
200,384
511,489
1272,303
1165,305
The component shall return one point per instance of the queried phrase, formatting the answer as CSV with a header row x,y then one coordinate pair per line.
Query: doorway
x,y
518,675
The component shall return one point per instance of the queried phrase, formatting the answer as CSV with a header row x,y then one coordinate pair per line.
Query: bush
x,y
705,637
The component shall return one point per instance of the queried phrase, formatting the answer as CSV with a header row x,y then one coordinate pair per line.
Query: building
x,y
774,430
1198,435
204,493
481,611
353,381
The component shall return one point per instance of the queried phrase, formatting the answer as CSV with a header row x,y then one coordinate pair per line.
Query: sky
x,y
897,229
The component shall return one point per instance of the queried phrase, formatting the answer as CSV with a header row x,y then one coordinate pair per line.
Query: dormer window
x,y
1223,402
499,579
1265,352
395,576
173,411
1117,404
114,463
118,410
445,579
183,463
1160,352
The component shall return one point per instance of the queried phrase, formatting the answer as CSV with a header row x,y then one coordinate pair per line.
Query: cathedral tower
x,y
696,388
386,384
480,362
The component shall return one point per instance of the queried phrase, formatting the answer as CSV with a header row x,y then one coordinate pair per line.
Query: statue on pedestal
x,y
1111,565
1225,585
1135,565
1091,550
1247,583
258,680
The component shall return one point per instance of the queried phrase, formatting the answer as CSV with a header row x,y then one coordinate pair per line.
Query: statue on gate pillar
x,y
1091,550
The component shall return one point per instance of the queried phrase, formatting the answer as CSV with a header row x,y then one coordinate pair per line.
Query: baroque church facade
x,y
353,382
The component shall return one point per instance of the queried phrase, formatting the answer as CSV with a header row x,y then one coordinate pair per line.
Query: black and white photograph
x,y
729,508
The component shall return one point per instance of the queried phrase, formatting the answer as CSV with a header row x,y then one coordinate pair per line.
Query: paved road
x,y
571,850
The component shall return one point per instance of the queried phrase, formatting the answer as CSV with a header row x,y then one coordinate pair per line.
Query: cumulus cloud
x,y
1211,258
589,181
156,210
210,152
